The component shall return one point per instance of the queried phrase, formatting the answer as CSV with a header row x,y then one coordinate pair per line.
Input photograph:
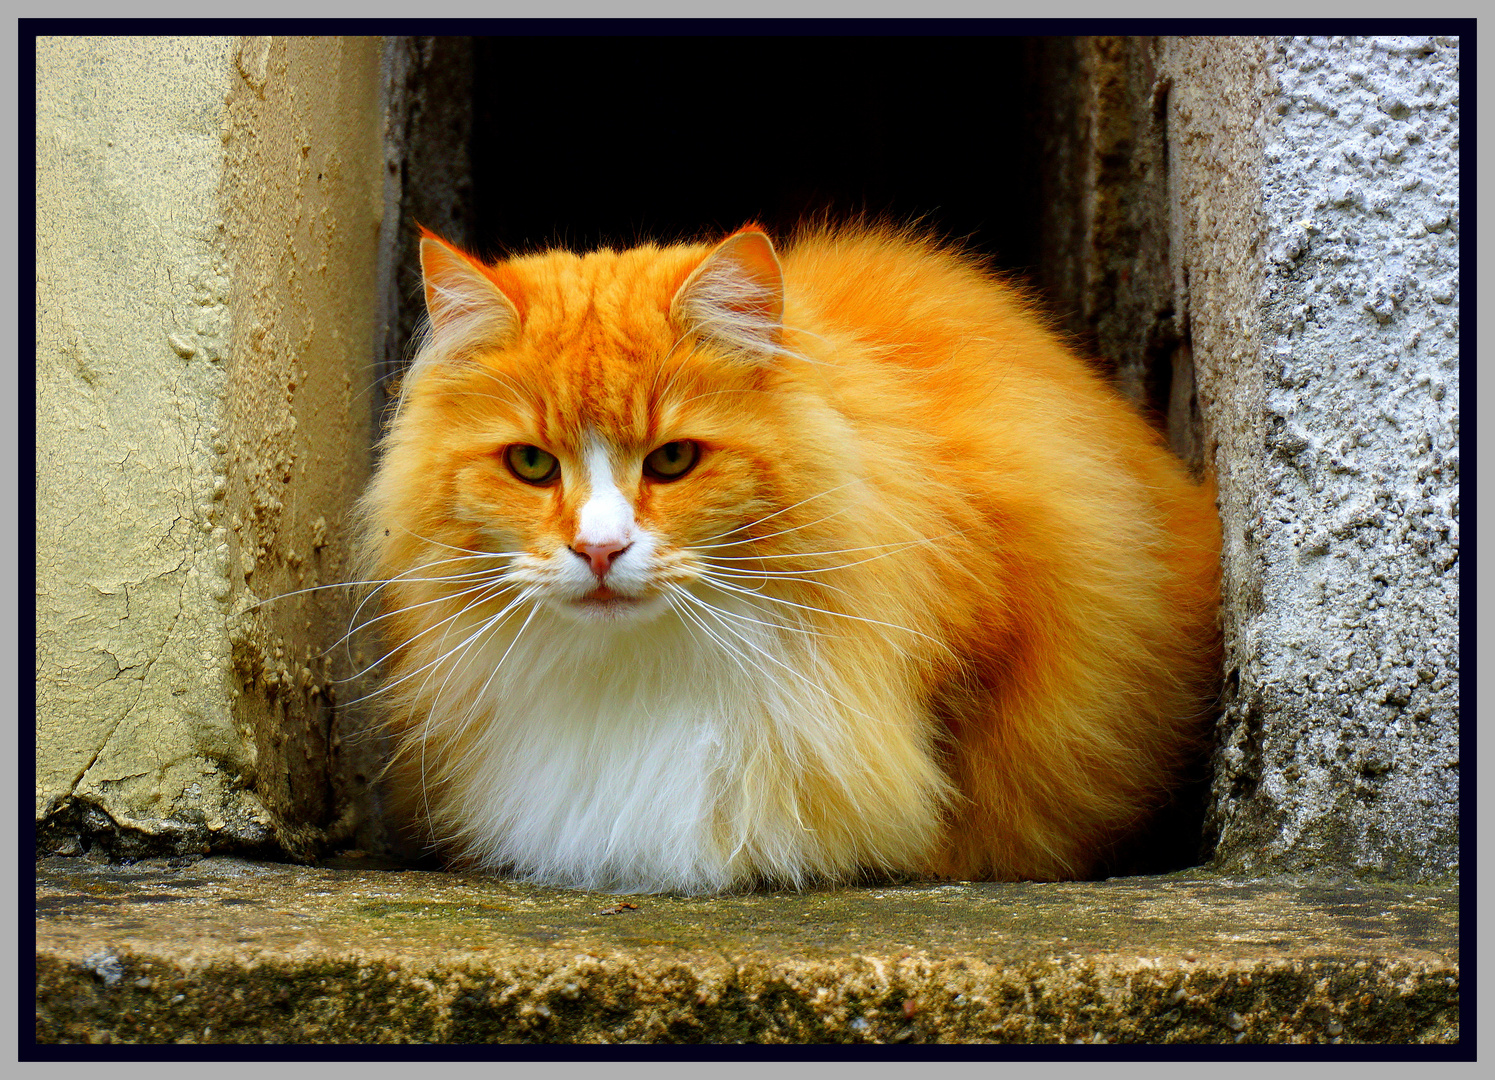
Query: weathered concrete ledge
x,y
226,950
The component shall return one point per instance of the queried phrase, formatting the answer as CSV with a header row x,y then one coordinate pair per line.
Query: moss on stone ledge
x,y
225,950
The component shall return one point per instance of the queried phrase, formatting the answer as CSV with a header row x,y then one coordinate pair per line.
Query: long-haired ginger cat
x,y
705,567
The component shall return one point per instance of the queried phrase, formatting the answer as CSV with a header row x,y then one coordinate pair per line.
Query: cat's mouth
x,y
609,602
605,605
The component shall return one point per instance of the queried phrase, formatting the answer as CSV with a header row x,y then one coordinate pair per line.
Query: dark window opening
x,y
611,141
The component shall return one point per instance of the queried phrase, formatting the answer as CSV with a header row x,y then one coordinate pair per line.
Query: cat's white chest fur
x,y
637,758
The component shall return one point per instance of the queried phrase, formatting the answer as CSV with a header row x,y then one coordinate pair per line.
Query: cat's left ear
x,y
735,297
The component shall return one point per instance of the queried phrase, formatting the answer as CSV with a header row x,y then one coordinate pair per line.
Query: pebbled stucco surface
x,y
133,724
1316,235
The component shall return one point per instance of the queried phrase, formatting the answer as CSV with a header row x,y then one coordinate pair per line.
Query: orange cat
x,y
706,567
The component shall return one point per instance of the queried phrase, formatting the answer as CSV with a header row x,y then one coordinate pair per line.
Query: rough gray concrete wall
x,y
1315,232
207,220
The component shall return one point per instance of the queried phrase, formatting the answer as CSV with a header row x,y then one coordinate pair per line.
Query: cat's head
x,y
612,426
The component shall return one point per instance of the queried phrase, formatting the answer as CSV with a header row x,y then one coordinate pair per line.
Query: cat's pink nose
x,y
601,556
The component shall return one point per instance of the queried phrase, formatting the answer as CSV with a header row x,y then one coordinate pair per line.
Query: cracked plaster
x,y
131,659
197,201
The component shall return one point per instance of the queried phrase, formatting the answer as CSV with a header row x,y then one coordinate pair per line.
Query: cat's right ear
x,y
467,307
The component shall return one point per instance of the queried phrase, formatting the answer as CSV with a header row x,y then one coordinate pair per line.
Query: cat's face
x,y
606,497
609,460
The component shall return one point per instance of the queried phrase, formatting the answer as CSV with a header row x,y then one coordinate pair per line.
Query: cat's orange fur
x,y
981,593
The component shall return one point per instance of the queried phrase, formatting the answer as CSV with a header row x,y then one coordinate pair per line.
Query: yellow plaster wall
x,y
207,223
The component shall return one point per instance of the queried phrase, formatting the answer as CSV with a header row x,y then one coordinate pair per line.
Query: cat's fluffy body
x,y
933,598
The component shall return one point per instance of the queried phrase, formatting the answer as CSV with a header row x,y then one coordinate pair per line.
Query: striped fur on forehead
x,y
597,346
614,302
602,338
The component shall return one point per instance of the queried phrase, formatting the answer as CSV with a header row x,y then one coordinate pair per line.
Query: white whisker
x,y
453,547
482,633
456,615
487,582
728,587
810,684
765,536
898,546
776,513
683,609
794,575
765,622
379,582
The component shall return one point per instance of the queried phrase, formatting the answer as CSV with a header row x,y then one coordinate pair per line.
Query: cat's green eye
x,y
531,464
672,460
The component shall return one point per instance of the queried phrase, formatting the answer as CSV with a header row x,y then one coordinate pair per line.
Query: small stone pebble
x,y
106,967
1234,1021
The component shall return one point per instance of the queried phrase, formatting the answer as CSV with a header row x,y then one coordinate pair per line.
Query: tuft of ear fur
x,y
735,297
466,306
